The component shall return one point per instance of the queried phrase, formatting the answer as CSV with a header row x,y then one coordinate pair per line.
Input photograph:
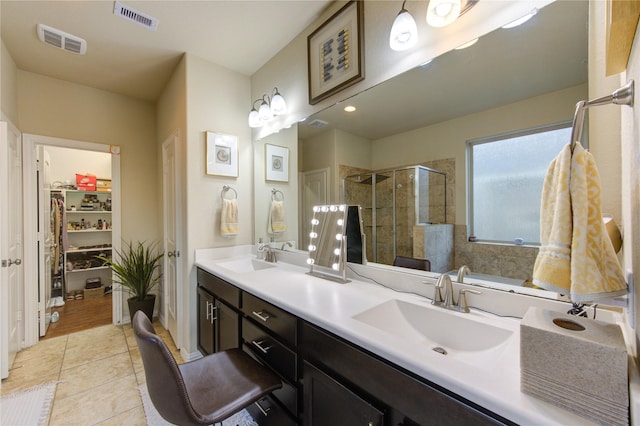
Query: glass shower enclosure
x,y
393,202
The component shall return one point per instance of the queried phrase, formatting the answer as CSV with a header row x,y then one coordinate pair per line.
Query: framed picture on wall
x,y
334,52
222,154
276,163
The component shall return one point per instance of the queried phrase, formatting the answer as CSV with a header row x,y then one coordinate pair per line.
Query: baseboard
x,y
190,356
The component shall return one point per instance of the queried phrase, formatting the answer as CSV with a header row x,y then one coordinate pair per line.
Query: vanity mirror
x,y
327,242
510,79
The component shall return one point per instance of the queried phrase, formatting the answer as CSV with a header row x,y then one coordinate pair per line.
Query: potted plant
x,y
137,269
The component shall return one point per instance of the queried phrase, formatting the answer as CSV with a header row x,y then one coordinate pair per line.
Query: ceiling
x,y
126,58
546,54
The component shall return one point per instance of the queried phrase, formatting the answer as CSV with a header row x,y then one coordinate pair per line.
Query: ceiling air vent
x,y
317,123
134,16
61,40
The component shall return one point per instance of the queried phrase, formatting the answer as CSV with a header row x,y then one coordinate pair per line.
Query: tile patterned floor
x,y
98,370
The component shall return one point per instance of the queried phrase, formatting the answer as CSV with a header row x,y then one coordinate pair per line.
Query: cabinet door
x,y
327,402
227,327
206,318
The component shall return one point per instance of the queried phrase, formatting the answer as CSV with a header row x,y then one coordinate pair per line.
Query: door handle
x,y
16,262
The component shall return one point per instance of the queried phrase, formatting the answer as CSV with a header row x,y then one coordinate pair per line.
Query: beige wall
x,y
8,85
216,100
448,139
51,107
66,162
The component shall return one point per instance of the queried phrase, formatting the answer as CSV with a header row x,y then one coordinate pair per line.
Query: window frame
x,y
470,143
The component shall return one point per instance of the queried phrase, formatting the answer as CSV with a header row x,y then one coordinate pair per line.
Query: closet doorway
x,y
72,210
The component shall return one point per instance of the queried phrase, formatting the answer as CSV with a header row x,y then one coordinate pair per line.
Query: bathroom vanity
x,y
345,358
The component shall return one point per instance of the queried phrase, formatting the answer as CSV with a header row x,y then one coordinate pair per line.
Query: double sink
x,y
471,338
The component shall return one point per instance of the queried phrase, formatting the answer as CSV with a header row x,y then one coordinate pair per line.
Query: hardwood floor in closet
x,y
78,315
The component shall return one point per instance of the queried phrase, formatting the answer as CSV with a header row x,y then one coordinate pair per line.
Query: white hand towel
x,y
277,222
229,218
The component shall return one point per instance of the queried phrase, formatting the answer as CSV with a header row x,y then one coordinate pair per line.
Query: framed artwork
x,y
334,52
222,154
276,163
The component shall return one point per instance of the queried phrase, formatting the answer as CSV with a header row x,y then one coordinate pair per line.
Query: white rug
x,y
28,407
243,418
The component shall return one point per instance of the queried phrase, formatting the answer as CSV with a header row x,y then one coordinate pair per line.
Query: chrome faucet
x,y
286,243
447,299
269,254
464,270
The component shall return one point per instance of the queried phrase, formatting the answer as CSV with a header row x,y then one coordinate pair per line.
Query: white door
x,y
46,242
11,270
314,193
171,222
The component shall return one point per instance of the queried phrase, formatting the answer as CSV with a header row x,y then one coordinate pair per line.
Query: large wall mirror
x,y
510,79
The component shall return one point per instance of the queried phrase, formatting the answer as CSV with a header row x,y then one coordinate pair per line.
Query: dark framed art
x,y
335,52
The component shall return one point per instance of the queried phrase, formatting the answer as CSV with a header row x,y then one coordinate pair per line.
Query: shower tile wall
x,y
502,260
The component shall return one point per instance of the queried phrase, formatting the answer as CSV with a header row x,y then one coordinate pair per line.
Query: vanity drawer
x,y
268,349
220,288
267,412
287,394
275,319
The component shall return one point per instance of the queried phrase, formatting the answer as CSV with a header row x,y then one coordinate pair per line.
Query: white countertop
x,y
494,384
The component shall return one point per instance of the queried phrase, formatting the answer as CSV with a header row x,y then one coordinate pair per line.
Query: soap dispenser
x,y
260,250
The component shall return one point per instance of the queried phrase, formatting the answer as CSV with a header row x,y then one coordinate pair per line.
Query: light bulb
x,y
265,112
315,221
311,247
404,32
338,237
278,105
441,13
324,209
313,235
341,207
335,266
310,261
316,209
340,222
254,119
337,252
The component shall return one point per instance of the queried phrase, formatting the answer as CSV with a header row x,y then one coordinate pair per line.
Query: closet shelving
x,y
88,222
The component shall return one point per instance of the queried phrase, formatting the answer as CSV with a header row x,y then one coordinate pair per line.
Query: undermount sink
x,y
454,334
243,266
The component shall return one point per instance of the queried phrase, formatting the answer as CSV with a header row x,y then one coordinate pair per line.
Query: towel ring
x,y
226,189
274,195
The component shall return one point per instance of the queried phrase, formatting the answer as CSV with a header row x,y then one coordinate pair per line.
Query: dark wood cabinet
x,y
218,322
328,402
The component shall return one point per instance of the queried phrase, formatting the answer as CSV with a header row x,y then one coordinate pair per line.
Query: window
x,y
506,173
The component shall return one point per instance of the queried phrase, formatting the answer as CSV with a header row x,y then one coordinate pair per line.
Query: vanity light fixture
x,y
522,20
441,13
271,106
404,31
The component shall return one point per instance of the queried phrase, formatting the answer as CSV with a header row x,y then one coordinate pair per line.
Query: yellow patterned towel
x,y
276,218
229,217
576,256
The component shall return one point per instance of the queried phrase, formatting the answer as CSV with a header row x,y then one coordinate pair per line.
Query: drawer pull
x,y
262,315
264,350
264,411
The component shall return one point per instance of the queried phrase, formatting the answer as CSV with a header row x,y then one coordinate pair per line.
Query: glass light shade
x,y
441,13
265,112
278,105
404,32
254,119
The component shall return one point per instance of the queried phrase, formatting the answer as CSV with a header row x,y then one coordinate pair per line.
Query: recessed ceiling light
x,y
349,108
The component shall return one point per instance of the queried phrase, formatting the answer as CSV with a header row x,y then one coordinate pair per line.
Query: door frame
x,y
176,140
303,219
31,235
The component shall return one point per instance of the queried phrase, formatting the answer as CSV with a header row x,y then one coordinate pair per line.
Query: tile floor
x,y
98,370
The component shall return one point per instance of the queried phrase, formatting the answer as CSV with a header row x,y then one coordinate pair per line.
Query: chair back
x,y
409,262
164,382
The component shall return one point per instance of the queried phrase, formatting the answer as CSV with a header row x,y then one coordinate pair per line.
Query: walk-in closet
x,y
76,219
